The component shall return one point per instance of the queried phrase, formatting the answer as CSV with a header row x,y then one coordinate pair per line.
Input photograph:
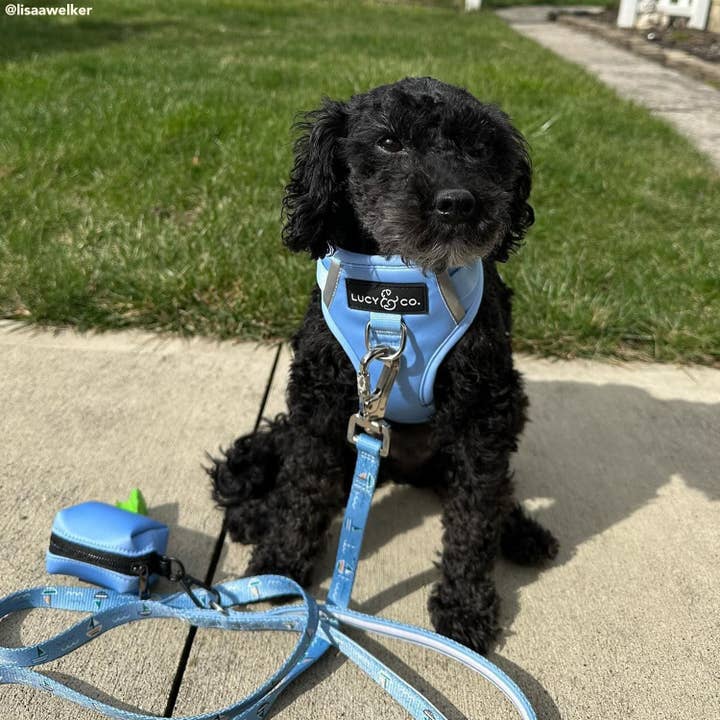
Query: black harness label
x,y
397,298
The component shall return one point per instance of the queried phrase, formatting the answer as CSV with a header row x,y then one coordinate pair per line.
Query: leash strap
x,y
318,626
355,519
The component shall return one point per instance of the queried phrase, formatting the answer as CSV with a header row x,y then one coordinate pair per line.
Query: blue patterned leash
x,y
316,624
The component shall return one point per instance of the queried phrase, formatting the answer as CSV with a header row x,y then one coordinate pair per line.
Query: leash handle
x,y
16,663
445,646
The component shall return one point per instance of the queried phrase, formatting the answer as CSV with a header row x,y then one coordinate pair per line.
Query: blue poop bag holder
x,y
108,546
124,552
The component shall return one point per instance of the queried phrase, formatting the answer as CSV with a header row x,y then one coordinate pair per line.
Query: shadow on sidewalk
x,y
593,456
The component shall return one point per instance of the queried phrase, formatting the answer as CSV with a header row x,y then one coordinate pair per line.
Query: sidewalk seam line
x,y
214,561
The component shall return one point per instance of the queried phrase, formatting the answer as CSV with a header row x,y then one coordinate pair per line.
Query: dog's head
x,y
419,169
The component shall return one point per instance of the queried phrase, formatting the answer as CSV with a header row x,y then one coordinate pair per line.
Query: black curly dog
x,y
423,170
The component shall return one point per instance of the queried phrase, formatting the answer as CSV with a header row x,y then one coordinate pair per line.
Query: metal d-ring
x,y
397,351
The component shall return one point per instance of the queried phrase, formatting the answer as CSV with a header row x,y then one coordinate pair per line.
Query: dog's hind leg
x,y
243,478
524,541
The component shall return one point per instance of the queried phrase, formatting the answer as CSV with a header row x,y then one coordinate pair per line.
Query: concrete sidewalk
x,y
621,461
691,106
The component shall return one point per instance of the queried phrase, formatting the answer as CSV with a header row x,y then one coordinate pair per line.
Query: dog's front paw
x,y
466,613
268,560
525,542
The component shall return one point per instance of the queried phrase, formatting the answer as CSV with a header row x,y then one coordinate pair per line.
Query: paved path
x,y
620,461
691,106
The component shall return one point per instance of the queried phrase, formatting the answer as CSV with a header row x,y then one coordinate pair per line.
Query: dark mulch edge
x,y
676,36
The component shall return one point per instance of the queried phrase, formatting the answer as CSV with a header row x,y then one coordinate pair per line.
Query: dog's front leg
x,y
310,491
464,603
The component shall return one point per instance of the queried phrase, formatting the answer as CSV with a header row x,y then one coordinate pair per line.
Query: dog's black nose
x,y
454,205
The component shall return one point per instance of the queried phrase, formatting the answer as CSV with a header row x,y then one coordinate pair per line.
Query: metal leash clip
x,y
174,570
373,403
188,582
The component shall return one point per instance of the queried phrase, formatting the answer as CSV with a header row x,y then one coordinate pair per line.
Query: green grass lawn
x,y
143,153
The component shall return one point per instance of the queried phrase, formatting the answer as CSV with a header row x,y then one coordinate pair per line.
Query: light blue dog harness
x,y
400,331
366,299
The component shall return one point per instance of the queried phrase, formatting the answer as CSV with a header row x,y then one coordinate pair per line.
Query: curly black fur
x,y
367,178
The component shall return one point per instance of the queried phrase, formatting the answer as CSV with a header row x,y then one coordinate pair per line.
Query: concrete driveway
x,y
621,461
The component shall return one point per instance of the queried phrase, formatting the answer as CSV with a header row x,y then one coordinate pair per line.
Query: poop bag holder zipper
x,y
107,546
117,549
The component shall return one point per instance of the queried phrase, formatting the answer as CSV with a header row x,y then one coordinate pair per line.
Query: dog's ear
x,y
522,216
314,197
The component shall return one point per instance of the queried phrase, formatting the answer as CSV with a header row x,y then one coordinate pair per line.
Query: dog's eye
x,y
390,144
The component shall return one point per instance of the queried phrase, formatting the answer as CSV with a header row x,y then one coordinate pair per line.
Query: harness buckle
x,y
374,402
365,393
373,406
373,426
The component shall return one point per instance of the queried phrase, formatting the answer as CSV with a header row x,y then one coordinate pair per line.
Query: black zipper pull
x,y
143,573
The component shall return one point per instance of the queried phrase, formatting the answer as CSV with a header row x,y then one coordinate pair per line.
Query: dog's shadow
x,y
193,547
592,456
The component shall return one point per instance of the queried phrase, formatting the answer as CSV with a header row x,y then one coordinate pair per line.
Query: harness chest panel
x,y
437,309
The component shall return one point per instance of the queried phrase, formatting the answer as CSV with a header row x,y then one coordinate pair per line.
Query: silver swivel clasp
x,y
373,403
